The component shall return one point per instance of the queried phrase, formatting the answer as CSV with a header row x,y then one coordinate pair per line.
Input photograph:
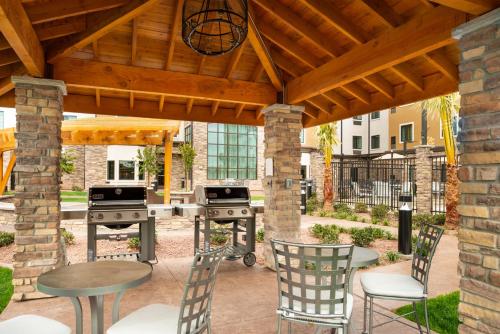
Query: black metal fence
x,y
438,184
374,182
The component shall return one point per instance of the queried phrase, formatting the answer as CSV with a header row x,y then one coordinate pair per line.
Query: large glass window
x,y
232,151
188,133
357,142
393,142
375,141
375,115
406,133
126,169
111,170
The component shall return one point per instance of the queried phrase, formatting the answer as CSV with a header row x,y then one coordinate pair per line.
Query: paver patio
x,y
245,299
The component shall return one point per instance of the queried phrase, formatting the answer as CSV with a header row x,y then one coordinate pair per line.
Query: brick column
x,y
423,178
39,106
283,124
479,206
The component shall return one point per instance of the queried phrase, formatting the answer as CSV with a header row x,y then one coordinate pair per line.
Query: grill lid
x,y
215,195
108,195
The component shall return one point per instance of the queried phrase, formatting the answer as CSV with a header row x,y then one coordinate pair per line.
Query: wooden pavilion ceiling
x,y
337,58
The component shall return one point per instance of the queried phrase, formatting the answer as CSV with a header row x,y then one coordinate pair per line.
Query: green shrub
x,y
6,238
134,243
312,204
386,223
439,218
76,188
379,212
342,207
259,237
389,236
375,221
69,237
363,220
327,234
362,237
360,208
392,256
419,218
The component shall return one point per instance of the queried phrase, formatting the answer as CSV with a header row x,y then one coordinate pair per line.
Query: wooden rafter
x,y
98,97
18,31
134,42
476,7
381,84
214,107
189,106
175,29
84,73
439,59
98,27
358,92
405,72
385,13
6,83
429,31
235,58
161,103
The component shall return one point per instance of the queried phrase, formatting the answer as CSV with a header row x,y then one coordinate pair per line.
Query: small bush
x,y
342,207
76,188
218,237
389,236
134,243
386,223
6,238
439,219
363,220
379,212
69,237
419,218
312,204
362,237
259,237
360,208
375,221
392,256
327,234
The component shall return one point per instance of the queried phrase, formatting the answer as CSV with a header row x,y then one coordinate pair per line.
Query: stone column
x,y
479,206
39,106
283,124
423,178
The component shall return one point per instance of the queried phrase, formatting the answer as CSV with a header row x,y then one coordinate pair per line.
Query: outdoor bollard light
x,y
404,226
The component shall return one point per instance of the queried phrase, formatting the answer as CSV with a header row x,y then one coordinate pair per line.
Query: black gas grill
x,y
119,207
226,207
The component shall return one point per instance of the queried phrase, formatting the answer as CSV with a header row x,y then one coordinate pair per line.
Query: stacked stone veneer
x,y
39,106
479,207
317,172
96,157
423,178
283,124
77,178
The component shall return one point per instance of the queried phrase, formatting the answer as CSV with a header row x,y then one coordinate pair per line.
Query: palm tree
x,y
327,134
447,107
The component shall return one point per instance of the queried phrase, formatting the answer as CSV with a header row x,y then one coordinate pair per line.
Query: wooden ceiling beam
x,y
161,103
189,106
174,31
384,12
262,52
439,59
297,23
100,26
85,73
405,72
8,57
475,7
382,85
98,97
422,34
358,92
131,101
54,10
259,112
239,110
235,58
17,29
257,72
214,107
310,111
134,42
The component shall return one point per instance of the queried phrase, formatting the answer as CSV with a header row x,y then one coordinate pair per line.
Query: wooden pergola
x,y
105,131
337,58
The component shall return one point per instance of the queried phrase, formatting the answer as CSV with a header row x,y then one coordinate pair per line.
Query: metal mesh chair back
x,y
427,241
312,280
194,315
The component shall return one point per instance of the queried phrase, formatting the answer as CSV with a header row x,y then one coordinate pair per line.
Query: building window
x,y
140,170
69,117
375,142
111,170
232,152
188,133
1,119
393,142
375,115
406,133
357,120
302,137
454,127
126,170
357,142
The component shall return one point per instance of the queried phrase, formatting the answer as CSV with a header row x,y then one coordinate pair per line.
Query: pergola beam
x,y
429,31
175,29
100,25
439,59
91,74
405,72
18,31
476,7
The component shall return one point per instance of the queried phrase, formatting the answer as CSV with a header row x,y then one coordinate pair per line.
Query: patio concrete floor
x,y
245,298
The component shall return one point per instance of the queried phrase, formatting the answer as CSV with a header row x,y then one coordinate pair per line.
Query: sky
x,y
10,117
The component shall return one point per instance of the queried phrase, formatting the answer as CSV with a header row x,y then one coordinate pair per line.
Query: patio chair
x,y
313,284
192,317
33,324
411,288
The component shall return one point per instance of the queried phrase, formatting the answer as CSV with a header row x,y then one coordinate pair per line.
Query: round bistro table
x,y
94,280
361,257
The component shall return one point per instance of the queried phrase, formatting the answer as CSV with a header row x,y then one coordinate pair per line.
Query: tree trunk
x,y
328,188
451,196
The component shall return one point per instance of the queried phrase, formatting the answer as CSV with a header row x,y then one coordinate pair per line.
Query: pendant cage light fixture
x,y
214,27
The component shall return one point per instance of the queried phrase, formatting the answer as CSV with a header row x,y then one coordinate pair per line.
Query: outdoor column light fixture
x,y
214,27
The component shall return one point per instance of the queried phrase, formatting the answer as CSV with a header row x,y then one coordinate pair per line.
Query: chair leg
x,y
209,326
370,325
426,317
417,319
365,306
278,331
289,327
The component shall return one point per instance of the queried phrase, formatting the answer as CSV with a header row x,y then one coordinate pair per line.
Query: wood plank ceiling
x,y
337,58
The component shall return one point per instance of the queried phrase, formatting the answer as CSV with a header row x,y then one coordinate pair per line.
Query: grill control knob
x,y
118,215
215,212
230,212
100,216
244,211
136,215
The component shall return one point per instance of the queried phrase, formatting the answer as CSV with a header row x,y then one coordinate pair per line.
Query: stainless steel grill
x,y
227,207
119,207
